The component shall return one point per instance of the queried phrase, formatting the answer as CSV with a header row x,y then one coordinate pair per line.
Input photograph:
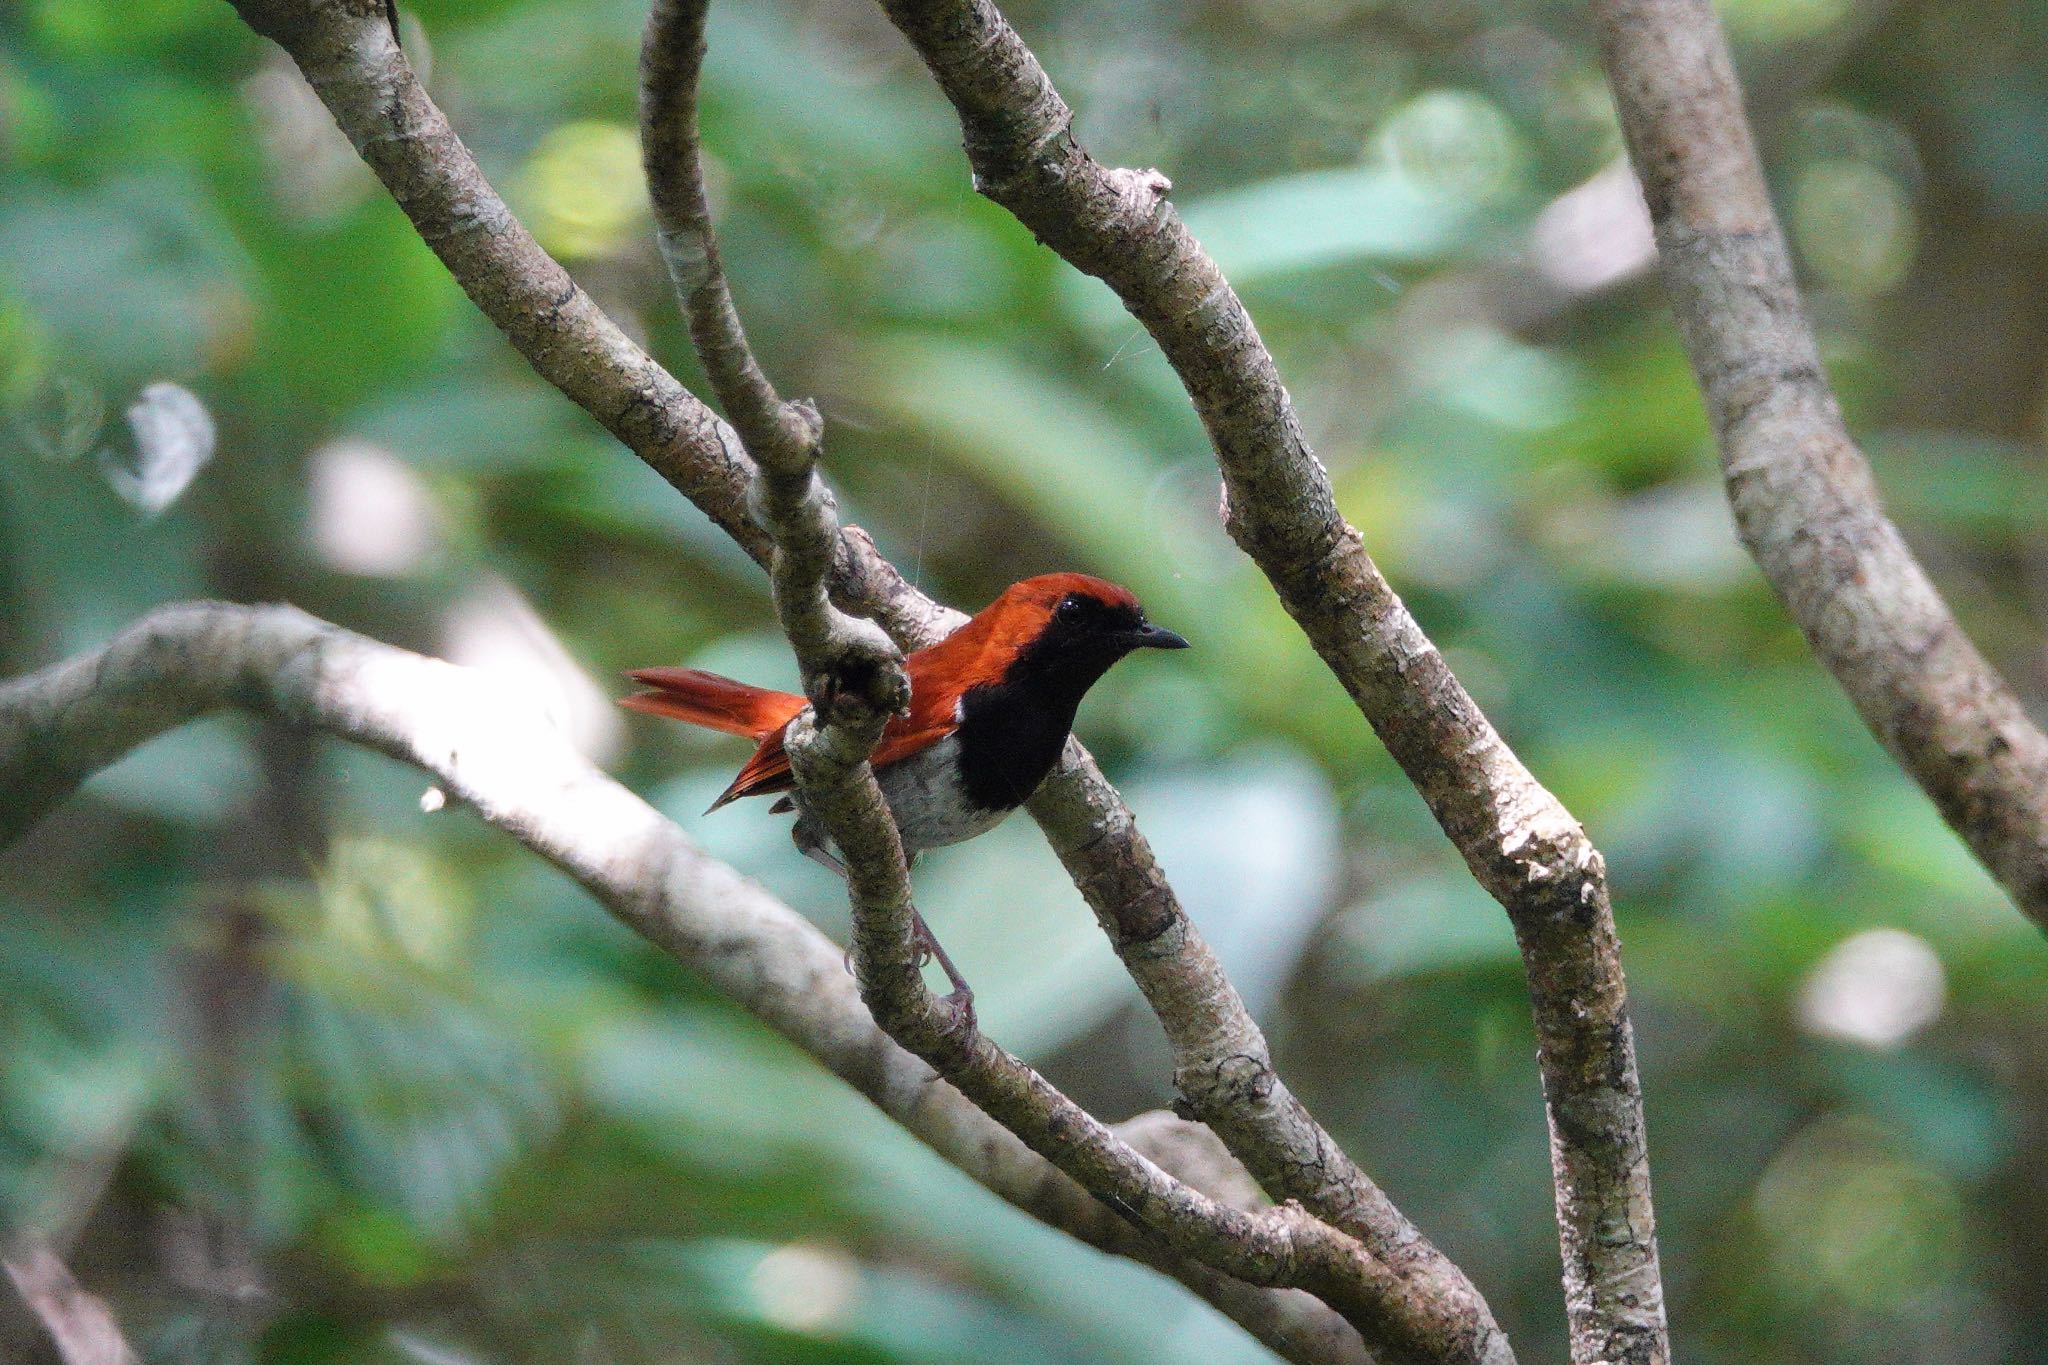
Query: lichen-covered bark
x,y
1519,841
517,772
1804,499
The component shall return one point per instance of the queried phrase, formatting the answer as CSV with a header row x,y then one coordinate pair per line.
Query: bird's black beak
x,y
1149,636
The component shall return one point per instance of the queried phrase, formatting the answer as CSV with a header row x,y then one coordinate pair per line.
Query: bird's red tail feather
x,y
716,703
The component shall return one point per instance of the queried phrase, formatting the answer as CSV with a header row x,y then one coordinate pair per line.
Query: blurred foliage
x,y
310,1075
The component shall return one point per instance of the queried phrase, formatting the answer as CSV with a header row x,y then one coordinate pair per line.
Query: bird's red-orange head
x,y
1049,617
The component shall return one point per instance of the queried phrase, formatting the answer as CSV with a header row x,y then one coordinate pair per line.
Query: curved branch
x,y
1804,499
1518,839
1222,1063
671,64
828,748
349,56
64,723
1278,1248
839,653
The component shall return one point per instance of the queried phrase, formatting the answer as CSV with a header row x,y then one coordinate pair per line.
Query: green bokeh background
x,y
309,1075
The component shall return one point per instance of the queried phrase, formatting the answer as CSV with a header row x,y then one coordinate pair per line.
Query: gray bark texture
x,y
1518,839
516,771
855,684
1805,501
759,482
1222,1063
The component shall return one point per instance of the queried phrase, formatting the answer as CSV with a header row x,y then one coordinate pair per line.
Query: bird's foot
x,y
924,958
930,949
959,1008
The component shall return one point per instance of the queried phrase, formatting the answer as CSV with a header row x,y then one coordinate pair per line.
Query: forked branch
x,y
828,748
850,666
1221,1060
1517,838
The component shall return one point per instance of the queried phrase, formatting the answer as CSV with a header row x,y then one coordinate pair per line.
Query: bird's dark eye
x,y
1069,609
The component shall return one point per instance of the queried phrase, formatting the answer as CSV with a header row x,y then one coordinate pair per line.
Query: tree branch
x,y
347,52
490,752
1222,1063
1517,838
828,748
79,1324
840,654
1279,1248
1804,498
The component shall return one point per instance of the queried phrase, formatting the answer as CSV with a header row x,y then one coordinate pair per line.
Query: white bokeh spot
x,y
1877,988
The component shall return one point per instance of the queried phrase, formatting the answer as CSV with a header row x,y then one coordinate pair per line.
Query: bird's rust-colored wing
x,y
759,713
934,714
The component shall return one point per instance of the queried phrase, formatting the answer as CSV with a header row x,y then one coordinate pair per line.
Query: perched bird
x,y
990,709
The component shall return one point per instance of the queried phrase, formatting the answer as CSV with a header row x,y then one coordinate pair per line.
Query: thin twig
x,y
1519,841
1805,501
515,770
847,660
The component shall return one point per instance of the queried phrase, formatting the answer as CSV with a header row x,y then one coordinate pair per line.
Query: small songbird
x,y
990,709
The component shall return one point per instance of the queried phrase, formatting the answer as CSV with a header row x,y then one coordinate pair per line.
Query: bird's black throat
x,y
1011,731
1010,734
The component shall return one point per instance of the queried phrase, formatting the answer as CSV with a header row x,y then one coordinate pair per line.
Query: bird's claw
x,y
959,1009
925,945
924,959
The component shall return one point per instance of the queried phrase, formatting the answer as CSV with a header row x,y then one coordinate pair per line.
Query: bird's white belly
x,y
929,800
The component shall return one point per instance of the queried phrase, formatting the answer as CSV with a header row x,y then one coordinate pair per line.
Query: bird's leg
x,y
811,842
820,855
961,1001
